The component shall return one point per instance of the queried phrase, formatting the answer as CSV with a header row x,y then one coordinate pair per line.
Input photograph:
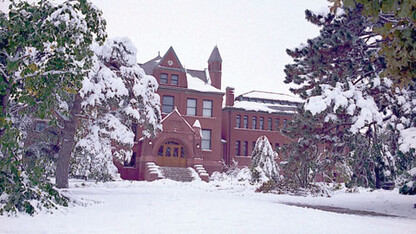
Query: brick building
x,y
197,130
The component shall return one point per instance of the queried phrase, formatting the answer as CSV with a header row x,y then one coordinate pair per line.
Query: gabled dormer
x,y
169,70
170,60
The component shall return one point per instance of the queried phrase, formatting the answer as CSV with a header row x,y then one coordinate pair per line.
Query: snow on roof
x,y
265,107
270,96
197,124
197,84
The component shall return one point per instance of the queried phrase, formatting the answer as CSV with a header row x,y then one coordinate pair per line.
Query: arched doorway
x,y
171,154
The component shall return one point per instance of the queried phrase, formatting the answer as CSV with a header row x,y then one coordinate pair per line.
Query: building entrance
x,y
171,154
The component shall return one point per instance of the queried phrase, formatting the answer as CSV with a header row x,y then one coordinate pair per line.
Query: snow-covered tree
x,y
44,55
116,94
263,162
339,74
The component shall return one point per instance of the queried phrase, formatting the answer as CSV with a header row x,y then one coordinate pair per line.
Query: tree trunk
x,y
67,144
4,105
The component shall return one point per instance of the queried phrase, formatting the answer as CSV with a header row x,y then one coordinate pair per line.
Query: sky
x,y
252,36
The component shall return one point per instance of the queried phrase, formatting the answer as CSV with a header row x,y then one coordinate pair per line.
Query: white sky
x,y
252,36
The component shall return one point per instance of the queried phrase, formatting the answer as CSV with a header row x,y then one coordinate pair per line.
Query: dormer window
x,y
163,78
174,79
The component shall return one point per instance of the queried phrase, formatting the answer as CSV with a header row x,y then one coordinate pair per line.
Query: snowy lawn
x,y
166,206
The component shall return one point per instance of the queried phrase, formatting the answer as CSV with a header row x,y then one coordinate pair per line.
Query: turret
x,y
214,68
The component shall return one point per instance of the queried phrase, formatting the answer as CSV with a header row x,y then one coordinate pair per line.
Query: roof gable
x,y
174,121
171,60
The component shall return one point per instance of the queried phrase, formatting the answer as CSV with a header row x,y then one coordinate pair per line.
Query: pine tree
x,y
116,95
263,162
338,74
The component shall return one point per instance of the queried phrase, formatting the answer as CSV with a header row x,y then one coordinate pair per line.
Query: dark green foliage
x,y
397,26
408,190
345,56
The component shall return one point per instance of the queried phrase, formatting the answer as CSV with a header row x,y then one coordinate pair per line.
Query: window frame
x,y
238,121
165,106
207,109
254,122
176,79
261,123
203,139
237,148
277,124
245,148
245,122
162,80
190,107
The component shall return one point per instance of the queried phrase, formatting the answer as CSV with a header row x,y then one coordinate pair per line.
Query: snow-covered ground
x,y
166,206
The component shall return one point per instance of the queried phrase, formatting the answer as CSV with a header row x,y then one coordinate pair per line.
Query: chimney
x,y
229,96
214,68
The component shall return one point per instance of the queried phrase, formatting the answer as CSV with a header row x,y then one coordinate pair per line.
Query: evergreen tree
x,y
314,151
117,95
263,162
338,75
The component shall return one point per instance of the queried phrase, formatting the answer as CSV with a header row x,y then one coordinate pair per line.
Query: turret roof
x,y
215,56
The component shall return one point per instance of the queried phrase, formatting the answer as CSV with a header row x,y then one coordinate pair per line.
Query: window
x,y
245,148
277,124
254,122
245,121
40,125
237,148
207,108
261,123
191,106
284,123
167,104
163,78
206,139
276,147
253,145
269,123
238,121
174,79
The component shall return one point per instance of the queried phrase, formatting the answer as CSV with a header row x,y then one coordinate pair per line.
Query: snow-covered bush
x,y
409,184
263,162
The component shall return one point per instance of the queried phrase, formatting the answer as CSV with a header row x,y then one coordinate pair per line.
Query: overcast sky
x,y
252,36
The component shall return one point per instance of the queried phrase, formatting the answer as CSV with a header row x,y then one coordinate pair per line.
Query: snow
x,y
412,171
266,107
166,206
197,84
407,139
197,124
271,96
361,107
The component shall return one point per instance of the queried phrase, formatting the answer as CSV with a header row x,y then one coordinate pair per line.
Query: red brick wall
x,y
233,133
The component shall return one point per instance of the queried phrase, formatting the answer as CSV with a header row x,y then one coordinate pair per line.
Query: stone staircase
x,y
181,174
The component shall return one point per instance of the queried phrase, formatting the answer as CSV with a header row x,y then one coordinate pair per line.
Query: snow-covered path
x,y
173,207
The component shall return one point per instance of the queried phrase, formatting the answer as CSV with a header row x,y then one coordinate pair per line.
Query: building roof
x,y
215,56
267,102
150,65
198,80
195,83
